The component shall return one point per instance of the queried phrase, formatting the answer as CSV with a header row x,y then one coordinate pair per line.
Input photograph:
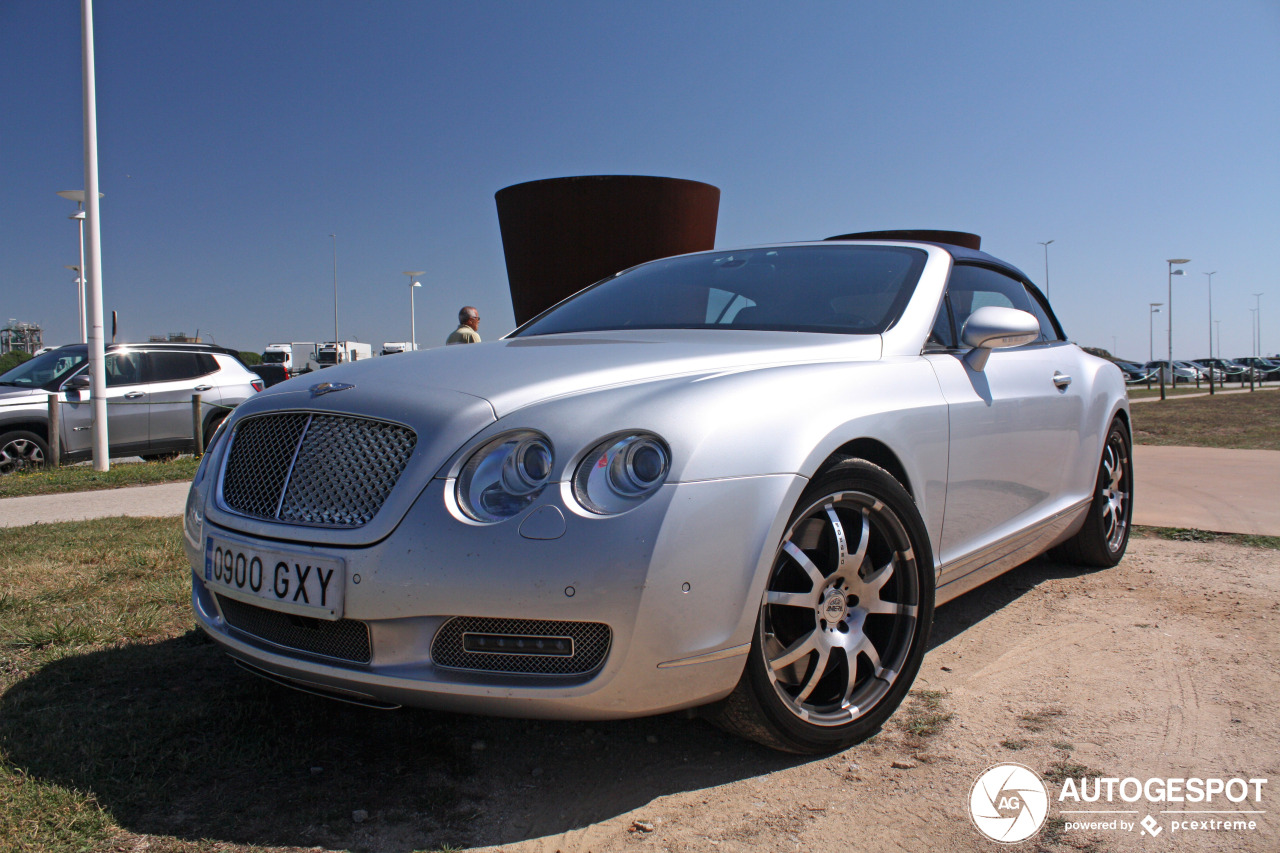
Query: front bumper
x,y
678,582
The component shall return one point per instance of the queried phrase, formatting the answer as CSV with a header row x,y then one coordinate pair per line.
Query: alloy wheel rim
x,y
841,609
1115,493
19,454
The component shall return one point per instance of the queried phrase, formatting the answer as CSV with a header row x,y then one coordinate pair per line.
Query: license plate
x,y
293,581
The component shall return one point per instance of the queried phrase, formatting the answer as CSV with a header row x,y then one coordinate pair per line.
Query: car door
x,y
1017,427
175,377
127,408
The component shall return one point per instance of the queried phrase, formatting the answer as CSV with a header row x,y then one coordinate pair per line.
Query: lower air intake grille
x,y
345,639
590,645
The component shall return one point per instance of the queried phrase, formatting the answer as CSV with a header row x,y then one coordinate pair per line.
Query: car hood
x,y
450,394
11,396
513,373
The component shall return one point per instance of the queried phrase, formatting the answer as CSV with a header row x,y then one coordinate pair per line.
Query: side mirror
x,y
79,382
996,328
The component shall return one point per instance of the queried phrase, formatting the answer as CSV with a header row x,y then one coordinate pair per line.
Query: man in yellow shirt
x,y
468,331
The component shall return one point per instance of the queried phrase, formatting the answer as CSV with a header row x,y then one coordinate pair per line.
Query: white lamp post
x,y
1172,273
93,257
1257,301
1046,267
78,197
1210,276
84,334
413,324
1151,335
337,350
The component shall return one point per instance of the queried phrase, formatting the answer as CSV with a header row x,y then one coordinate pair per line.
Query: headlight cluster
x,y
508,474
621,472
505,476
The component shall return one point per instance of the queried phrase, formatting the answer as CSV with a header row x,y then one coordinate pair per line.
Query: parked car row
x,y
1200,370
149,390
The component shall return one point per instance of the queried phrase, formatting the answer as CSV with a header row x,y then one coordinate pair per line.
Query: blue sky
x,y
235,137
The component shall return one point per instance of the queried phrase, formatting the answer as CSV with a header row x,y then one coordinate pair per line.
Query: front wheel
x,y
845,618
22,451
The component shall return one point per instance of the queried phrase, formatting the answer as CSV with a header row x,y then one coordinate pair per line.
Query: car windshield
x,y
855,290
46,370
274,358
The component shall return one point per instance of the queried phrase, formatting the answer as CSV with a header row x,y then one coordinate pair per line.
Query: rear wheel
x,y
22,451
845,618
1103,539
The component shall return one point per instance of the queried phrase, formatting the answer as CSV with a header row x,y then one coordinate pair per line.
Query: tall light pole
x,y
78,197
1046,267
93,258
1172,273
1257,301
337,350
84,333
413,323
1209,276
1151,337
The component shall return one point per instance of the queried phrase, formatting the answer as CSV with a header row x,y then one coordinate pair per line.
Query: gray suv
x,y
149,388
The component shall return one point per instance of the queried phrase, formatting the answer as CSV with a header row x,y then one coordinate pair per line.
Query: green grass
x,y
120,723
1184,534
925,714
1238,421
82,478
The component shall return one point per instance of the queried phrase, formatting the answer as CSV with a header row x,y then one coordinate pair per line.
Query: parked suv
x,y
149,388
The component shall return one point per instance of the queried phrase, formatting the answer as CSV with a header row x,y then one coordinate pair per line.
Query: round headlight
x,y
505,475
620,472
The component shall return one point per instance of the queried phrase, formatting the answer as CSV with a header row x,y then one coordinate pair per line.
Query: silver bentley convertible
x,y
738,481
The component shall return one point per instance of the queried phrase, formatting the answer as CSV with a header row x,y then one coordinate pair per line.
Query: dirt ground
x,y
1165,666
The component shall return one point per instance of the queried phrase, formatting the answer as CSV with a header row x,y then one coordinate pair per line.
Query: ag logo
x,y
1008,803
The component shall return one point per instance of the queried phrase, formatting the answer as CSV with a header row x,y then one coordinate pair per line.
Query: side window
x,y
972,287
124,368
943,334
1049,329
175,366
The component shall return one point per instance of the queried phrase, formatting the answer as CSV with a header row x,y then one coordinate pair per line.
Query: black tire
x,y
1103,539
845,619
21,450
210,428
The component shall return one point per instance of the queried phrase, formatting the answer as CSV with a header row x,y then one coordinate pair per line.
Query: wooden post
x,y
55,432
197,426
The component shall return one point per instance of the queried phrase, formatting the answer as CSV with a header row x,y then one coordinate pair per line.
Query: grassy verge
x,y
82,478
1239,421
1184,534
122,728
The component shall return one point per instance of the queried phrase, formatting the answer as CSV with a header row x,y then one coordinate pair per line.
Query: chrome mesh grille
x,y
591,642
345,639
301,468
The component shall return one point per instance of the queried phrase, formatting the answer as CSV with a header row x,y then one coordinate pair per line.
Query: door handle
x,y
1062,380
202,388
133,395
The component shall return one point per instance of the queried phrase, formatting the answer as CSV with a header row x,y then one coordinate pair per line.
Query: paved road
x,y
1226,491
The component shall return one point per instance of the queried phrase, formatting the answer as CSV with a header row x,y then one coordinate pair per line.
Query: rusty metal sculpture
x,y
562,234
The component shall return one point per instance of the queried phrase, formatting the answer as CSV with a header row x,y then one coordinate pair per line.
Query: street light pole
x,y
413,323
1257,297
1209,276
1172,272
337,350
1046,267
1151,335
78,197
93,259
